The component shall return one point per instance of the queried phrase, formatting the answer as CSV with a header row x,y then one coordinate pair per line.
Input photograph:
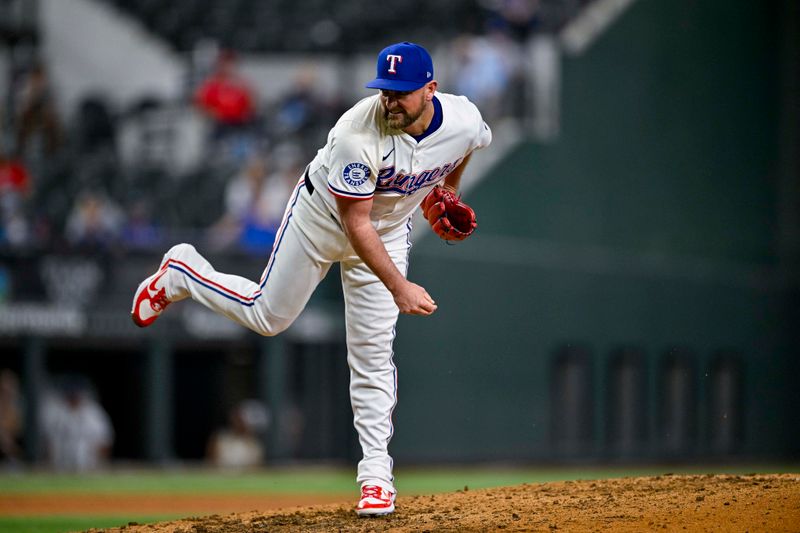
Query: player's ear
x,y
430,90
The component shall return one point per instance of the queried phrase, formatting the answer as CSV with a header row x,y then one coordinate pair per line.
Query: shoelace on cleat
x,y
159,301
372,492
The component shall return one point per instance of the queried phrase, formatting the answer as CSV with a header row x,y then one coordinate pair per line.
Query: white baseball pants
x,y
308,241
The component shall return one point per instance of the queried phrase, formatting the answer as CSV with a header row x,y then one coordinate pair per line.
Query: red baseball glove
x,y
451,219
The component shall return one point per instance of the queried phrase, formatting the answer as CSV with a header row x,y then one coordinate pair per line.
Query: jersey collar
x,y
436,121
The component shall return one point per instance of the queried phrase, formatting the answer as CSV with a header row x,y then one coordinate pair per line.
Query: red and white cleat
x,y
375,501
150,299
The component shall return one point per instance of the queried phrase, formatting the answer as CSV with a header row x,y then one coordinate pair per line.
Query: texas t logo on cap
x,y
392,59
402,67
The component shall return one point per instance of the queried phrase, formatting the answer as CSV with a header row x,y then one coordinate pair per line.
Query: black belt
x,y
309,185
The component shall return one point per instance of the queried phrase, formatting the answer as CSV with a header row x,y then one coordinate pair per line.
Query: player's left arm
x,y
482,137
453,180
450,218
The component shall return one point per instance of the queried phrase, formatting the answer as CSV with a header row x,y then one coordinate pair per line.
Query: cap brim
x,y
394,85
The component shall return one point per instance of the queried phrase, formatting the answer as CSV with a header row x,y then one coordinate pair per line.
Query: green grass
x,y
305,480
316,480
60,524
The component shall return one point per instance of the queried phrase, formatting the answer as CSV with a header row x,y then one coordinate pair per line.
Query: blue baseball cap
x,y
403,67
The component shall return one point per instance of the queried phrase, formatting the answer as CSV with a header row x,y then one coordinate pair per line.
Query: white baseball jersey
x,y
362,159
365,159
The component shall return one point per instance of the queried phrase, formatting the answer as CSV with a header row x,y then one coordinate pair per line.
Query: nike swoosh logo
x,y
152,285
387,155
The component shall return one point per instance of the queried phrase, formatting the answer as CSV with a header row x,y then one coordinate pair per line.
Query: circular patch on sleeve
x,y
356,174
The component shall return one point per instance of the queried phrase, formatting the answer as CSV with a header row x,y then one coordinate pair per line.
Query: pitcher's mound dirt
x,y
668,502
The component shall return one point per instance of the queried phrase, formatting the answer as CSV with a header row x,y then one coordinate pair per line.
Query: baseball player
x,y
391,152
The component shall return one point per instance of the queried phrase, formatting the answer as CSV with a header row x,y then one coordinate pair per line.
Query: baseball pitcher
x,y
404,147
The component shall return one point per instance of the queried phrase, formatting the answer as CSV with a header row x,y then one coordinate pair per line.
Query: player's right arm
x,y
352,180
410,298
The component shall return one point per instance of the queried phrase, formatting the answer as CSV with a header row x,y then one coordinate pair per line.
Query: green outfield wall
x,y
625,295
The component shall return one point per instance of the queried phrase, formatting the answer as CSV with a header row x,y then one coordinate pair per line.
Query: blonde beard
x,y
401,122
405,120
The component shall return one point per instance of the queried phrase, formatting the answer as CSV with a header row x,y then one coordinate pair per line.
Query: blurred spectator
x,y
299,111
264,217
140,230
14,178
227,98
483,67
76,428
95,221
36,112
255,200
15,188
225,95
10,417
241,194
240,443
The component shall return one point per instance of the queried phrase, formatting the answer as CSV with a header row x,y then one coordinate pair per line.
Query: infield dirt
x,y
663,503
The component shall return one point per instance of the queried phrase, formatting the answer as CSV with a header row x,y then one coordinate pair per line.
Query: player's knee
x,y
271,326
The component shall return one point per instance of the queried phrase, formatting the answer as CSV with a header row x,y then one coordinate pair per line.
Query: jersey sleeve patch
x,y
356,174
353,182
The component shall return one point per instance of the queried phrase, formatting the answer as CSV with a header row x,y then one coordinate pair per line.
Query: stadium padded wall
x,y
623,297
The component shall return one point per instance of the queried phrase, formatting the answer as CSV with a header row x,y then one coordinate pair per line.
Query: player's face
x,y
401,109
